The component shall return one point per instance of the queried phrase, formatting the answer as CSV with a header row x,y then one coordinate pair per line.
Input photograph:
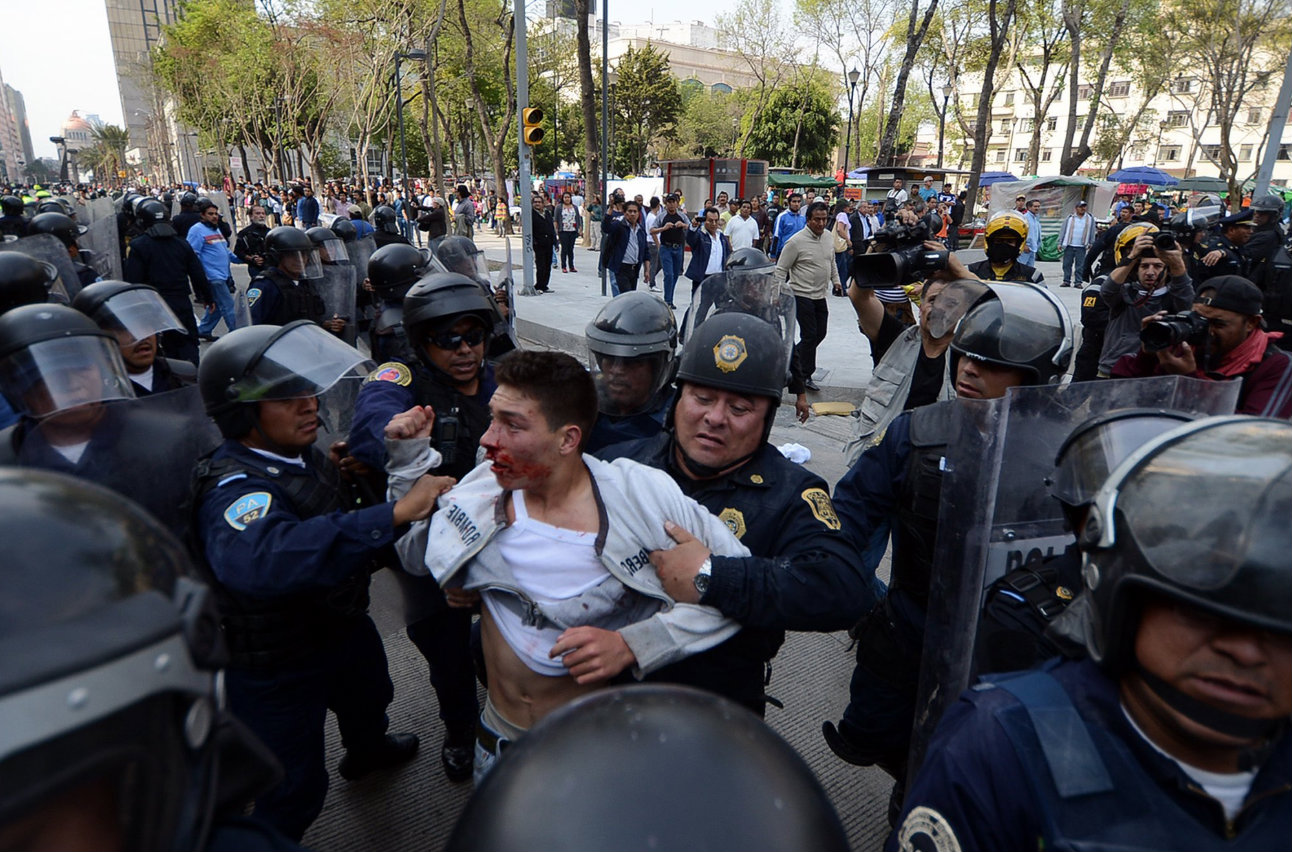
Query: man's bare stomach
x,y
519,693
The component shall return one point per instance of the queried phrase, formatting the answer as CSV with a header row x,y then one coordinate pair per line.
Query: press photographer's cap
x,y
1231,293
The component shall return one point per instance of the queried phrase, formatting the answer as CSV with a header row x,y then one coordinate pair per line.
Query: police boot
x,y
458,754
391,750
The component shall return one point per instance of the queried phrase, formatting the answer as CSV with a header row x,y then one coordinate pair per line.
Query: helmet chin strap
x,y
1222,721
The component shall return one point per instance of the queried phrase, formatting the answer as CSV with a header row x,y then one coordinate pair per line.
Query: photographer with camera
x,y
1148,278
1006,234
1221,339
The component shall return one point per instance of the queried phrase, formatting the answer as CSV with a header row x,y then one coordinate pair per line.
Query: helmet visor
x,y
140,313
765,295
54,375
1094,454
945,305
333,251
628,384
1025,324
303,361
300,264
470,263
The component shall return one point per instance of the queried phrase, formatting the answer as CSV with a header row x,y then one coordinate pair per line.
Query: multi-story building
x,y
13,156
18,110
1173,130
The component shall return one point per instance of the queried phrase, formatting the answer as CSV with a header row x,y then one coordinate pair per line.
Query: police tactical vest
x,y
267,633
916,531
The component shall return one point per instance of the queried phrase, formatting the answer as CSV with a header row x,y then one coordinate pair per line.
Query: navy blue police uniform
x,y
611,429
162,259
1047,759
276,299
290,566
1094,325
442,634
804,573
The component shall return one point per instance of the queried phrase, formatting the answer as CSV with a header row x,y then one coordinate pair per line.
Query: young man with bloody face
x,y
555,545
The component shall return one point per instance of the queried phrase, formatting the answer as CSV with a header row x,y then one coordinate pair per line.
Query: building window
x,y
1177,118
999,155
1009,99
1020,155
1119,89
1285,151
1245,153
691,85
720,87
1047,155
1084,91
972,125
970,101
1182,85
1026,125
1211,152
1169,153
1052,123
1253,116
1006,125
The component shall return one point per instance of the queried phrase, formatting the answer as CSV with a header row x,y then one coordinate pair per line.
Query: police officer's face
x,y
981,380
1229,666
291,424
1240,233
627,382
454,354
716,427
1227,329
522,449
292,263
139,355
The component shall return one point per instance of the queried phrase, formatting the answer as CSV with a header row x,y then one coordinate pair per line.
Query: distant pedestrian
x,y
1077,235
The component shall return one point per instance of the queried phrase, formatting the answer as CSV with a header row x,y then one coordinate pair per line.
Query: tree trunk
x,y
914,38
982,132
1074,157
587,101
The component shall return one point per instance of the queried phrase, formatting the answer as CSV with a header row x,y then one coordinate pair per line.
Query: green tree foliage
x,y
798,128
647,104
708,127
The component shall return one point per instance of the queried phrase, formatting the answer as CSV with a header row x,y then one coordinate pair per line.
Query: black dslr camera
x,y
1185,327
904,260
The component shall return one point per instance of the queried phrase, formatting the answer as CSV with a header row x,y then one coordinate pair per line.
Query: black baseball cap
x,y
1231,293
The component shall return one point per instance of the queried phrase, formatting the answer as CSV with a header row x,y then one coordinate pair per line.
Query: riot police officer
x,y
385,222
803,573
12,223
23,281
1222,253
117,736
187,216
1005,235
161,258
392,271
285,291
1015,334
447,318
330,245
1271,265
1174,733
344,229
630,351
136,314
62,226
290,565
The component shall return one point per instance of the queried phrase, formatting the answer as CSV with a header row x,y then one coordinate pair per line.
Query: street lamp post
x,y
610,128
942,123
1161,128
853,76
416,54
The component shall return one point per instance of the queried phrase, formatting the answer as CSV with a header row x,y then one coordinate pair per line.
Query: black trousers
x,y
542,266
181,346
626,276
567,248
813,316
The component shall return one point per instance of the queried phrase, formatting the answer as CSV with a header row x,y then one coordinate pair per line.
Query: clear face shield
x,y
303,361
300,264
764,293
466,260
56,375
333,251
1094,453
139,314
627,382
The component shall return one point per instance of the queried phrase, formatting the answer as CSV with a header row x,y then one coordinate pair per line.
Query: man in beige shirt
x,y
808,262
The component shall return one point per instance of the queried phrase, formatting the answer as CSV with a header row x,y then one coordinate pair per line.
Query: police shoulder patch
x,y
735,521
926,830
822,508
391,371
247,509
253,295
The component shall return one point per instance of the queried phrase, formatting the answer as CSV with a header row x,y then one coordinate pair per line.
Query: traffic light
x,y
532,120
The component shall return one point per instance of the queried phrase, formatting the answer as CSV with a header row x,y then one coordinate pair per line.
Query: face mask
x,y
998,252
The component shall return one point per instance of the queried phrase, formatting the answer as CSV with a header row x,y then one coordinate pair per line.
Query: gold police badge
x,y
729,353
735,521
822,508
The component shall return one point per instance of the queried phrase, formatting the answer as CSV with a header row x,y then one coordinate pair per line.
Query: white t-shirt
x,y
742,232
144,379
652,220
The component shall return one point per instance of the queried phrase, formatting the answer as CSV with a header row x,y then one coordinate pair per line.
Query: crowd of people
x,y
195,519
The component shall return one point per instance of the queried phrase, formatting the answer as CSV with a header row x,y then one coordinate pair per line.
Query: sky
x,y
74,70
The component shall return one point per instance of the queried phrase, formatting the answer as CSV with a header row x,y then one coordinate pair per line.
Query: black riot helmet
x,y
49,205
460,254
393,269
1199,516
331,247
286,246
11,205
751,259
149,212
110,677
633,331
265,362
1268,203
384,219
1094,449
705,774
344,228
1017,325
438,301
188,199
137,309
24,280
53,358
736,352
59,224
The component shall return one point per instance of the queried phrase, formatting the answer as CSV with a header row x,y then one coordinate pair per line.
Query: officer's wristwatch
x,y
706,574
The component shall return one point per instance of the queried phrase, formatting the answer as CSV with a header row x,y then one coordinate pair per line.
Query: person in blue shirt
x,y
289,561
362,227
212,250
927,192
307,208
789,223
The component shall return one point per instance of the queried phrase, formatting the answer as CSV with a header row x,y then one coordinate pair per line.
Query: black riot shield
x,y
143,448
766,296
996,510
337,287
50,249
101,239
360,252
